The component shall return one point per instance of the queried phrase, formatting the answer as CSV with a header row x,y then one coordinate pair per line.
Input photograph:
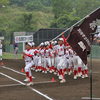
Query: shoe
x,y
58,74
75,77
79,75
86,75
83,76
65,72
47,69
32,68
55,73
50,71
63,81
69,73
42,71
36,70
30,83
45,72
27,79
60,77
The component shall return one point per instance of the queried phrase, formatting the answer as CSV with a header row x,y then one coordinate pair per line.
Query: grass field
x,y
6,55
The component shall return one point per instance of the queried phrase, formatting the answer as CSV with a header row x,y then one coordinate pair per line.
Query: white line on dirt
x,y
29,87
89,98
15,71
12,78
10,85
95,72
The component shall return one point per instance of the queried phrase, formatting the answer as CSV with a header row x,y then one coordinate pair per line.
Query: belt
x,y
38,56
71,56
61,55
46,57
28,61
67,58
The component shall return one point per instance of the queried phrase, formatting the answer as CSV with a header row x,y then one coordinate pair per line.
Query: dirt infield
x,y
11,89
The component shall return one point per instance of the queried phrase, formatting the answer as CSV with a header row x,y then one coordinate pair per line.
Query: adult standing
x,y
15,49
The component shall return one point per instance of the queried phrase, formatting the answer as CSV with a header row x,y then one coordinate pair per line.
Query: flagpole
x,y
75,24
91,68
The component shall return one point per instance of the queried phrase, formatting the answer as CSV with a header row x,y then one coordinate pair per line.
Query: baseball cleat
x,y
86,75
75,77
55,73
45,72
65,72
69,73
58,74
42,71
60,77
50,71
63,81
27,79
30,83
36,70
32,68
79,75
83,76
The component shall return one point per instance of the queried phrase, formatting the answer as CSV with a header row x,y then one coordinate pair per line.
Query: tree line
x,y
25,15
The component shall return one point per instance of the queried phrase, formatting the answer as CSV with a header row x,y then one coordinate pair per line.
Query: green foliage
x,y
64,14
24,2
27,22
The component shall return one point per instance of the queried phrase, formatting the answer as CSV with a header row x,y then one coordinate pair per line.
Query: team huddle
x,y
53,57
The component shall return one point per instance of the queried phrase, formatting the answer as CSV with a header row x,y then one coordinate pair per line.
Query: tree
x,y
64,15
27,22
85,7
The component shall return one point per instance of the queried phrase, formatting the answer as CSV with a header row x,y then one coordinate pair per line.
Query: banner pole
x,y
91,69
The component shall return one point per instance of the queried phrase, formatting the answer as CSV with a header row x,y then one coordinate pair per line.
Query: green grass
x,y
10,56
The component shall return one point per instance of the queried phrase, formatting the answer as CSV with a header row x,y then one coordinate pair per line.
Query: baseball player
x,y
70,59
61,57
0,50
38,59
33,50
67,58
47,55
27,56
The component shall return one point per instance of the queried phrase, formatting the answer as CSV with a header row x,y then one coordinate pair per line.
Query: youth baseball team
x,y
56,57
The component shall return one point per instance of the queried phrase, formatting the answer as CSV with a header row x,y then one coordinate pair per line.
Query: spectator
x,y
15,49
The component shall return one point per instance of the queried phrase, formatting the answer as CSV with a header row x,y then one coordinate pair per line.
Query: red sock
x,y
79,69
85,71
82,72
31,79
45,69
52,67
69,70
49,68
27,74
55,69
36,67
61,71
40,67
65,70
75,72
